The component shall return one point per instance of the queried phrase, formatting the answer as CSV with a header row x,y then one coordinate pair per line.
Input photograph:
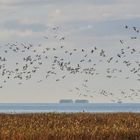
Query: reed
x,y
73,126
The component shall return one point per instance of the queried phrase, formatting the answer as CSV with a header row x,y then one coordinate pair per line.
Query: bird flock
x,y
20,62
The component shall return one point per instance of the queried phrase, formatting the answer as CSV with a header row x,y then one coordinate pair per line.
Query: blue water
x,y
69,107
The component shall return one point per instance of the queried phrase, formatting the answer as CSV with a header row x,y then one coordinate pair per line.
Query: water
x,y
68,107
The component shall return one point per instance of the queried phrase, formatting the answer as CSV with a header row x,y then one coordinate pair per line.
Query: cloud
x,y
20,2
55,2
64,2
23,26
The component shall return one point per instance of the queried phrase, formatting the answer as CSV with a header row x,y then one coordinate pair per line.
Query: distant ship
x,y
81,101
71,101
66,101
119,102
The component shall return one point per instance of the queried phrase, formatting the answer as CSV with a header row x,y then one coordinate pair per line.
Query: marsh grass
x,y
74,126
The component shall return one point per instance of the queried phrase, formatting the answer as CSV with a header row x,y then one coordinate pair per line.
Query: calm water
x,y
66,107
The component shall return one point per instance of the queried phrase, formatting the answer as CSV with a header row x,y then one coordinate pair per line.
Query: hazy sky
x,y
84,23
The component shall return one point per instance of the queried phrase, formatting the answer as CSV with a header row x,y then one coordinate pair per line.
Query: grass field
x,y
76,126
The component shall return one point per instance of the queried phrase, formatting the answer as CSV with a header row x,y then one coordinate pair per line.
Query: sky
x,y
84,23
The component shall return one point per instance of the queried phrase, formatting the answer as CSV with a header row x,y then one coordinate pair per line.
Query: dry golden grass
x,y
76,126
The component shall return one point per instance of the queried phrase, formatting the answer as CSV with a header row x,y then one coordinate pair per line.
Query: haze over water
x,y
55,107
